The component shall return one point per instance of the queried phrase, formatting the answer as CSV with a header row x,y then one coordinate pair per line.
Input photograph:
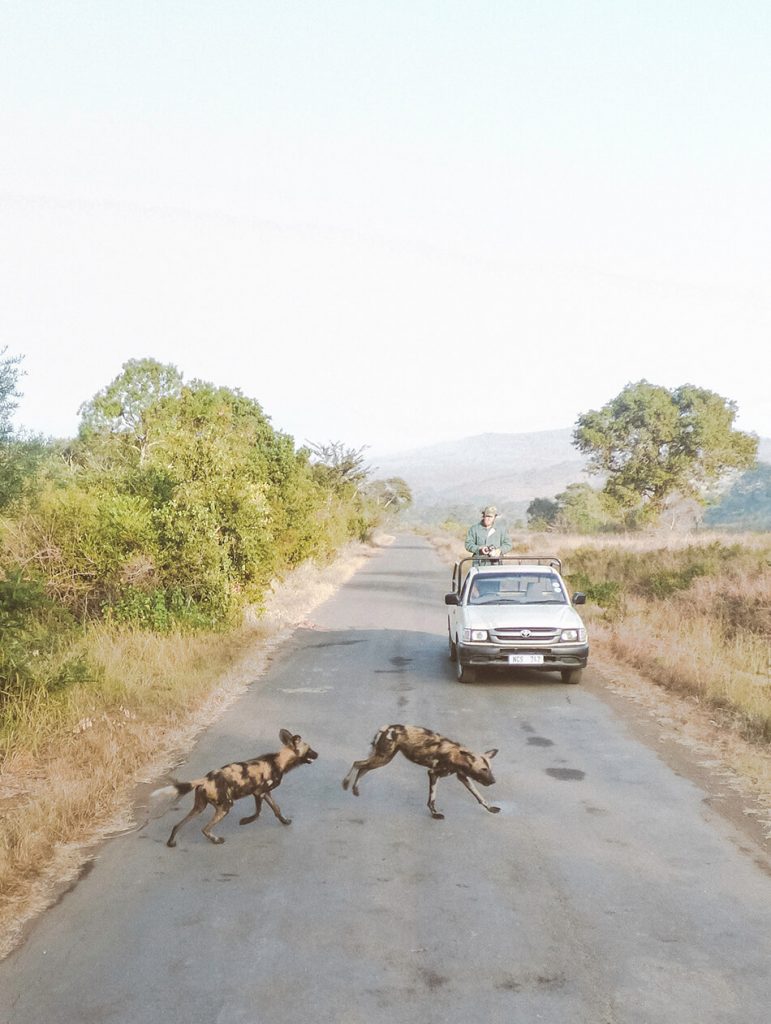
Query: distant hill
x,y
508,470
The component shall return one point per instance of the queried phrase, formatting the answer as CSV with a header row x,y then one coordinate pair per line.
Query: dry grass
x,y
686,651
68,777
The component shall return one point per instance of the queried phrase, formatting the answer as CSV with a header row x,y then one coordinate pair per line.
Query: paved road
x,y
605,891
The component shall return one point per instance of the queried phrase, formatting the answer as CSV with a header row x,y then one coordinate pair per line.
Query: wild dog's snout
x,y
304,751
486,777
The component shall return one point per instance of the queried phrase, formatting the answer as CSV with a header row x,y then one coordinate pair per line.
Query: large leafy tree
x,y
651,442
211,500
124,405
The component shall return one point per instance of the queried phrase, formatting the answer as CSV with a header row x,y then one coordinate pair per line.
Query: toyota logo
x,y
525,632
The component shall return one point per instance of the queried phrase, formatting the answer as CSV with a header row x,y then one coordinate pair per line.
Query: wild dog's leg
x,y
360,768
383,750
473,790
199,804
257,809
276,809
433,778
219,814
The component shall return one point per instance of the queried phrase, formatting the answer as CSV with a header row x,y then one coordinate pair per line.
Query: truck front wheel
x,y
571,675
464,673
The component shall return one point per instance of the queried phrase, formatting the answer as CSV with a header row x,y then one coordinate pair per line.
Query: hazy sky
x,y
390,222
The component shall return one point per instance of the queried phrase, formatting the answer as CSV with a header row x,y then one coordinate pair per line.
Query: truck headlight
x,y
475,634
573,636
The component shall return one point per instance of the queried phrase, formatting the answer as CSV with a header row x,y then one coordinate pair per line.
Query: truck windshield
x,y
517,588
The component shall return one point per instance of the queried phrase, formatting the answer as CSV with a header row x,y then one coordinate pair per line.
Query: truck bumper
x,y
554,659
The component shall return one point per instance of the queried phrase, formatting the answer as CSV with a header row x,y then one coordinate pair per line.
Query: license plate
x,y
526,659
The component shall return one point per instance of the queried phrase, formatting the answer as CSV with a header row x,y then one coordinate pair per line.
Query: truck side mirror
x,y
451,599
579,598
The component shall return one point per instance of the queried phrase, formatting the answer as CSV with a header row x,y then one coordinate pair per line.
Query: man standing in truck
x,y
485,540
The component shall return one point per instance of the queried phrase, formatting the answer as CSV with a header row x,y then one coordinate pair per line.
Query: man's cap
x,y
489,510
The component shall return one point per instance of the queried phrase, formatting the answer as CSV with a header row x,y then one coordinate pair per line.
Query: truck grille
x,y
517,636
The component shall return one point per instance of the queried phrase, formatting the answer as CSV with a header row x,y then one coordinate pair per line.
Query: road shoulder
x,y
734,774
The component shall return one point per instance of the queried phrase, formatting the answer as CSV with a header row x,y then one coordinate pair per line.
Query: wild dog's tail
x,y
176,788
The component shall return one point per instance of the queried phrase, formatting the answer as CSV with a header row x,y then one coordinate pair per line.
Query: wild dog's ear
x,y
286,738
491,753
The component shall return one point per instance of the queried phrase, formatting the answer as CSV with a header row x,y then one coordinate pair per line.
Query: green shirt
x,y
493,536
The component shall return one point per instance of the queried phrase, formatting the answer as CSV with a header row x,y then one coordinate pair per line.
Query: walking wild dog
x,y
442,757
256,778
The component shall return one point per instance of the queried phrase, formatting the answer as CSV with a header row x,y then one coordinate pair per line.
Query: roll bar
x,y
459,573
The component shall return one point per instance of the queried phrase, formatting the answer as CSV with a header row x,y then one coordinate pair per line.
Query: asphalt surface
x,y
605,890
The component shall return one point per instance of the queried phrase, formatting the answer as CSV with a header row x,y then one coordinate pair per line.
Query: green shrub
x,y
34,629
157,610
607,594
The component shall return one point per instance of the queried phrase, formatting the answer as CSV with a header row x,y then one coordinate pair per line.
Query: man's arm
x,y
472,543
505,544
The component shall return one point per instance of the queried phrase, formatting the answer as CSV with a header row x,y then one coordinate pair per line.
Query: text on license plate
x,y
526,659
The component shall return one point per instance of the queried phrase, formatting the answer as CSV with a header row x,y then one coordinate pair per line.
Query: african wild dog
x,y
441,756
256,777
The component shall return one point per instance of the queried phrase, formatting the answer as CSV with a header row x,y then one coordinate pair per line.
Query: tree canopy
x,y
542,514
123,405
392,495
9,376
651,442
20,453
180,502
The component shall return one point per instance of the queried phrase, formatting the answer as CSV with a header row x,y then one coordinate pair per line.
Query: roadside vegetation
x,y
695,618
172,513
147,567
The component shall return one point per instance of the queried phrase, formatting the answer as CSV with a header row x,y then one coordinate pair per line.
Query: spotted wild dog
x,y
442,757
256,777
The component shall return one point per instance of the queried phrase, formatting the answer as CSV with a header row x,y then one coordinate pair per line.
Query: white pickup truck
x,y
515,611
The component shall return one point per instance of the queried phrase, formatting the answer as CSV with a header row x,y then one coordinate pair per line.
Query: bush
x,y
34,629
157,610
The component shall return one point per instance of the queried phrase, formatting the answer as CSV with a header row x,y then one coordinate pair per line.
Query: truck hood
x,y
559,616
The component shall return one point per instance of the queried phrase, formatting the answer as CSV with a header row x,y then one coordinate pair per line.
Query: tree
x,y
20,453
541,514
340,465
9,376
583,509
651,443
392,495
123,406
